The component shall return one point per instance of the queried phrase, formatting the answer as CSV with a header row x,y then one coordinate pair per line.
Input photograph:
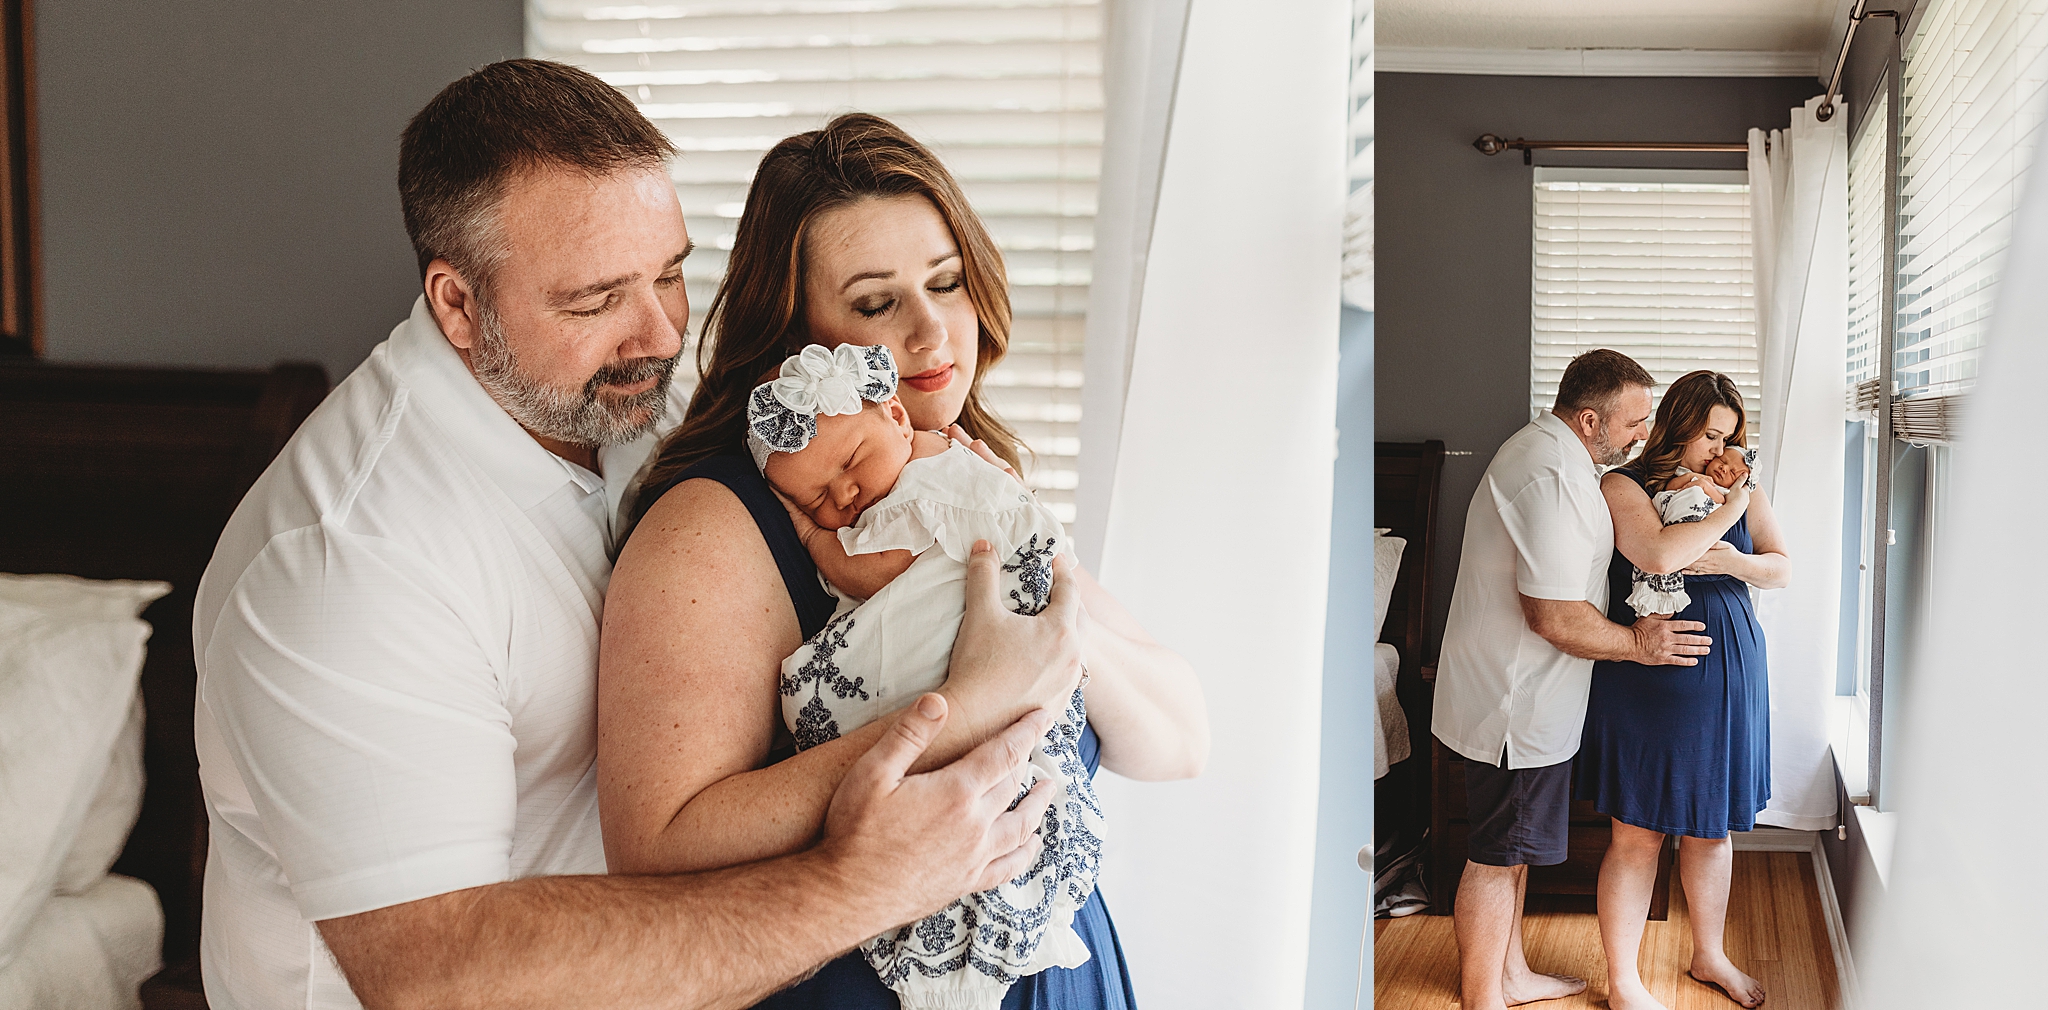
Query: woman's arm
x,y
1641,536
1143,698
863,575
1769,568
696,625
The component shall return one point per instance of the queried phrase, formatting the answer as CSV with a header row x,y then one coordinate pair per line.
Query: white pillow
x,y
70,655
1386,567
111,815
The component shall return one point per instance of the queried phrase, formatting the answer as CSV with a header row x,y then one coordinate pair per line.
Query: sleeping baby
x,y
1688,498
829,434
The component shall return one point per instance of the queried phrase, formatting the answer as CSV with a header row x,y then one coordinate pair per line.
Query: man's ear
x,y
453,303
1586,421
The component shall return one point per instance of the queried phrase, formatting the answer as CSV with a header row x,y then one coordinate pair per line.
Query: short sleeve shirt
x,y
397,646
1539,527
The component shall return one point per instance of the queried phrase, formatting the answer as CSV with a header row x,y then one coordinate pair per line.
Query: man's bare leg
x,y
1488,898
1704,865
1628,873
1518,983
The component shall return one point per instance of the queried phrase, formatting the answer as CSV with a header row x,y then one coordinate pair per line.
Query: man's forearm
x,y
720,939
1579,629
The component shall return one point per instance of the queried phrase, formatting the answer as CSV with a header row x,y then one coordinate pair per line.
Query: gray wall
x,y
218,177
1453,244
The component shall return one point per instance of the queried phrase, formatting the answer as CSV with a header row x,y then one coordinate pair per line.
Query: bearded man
x,y
1528,618
397,635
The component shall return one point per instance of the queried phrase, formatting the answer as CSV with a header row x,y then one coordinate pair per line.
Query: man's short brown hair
x,y
1595,378
509,117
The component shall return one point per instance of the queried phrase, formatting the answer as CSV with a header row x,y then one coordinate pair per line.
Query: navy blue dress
x,y
1685,750
848,983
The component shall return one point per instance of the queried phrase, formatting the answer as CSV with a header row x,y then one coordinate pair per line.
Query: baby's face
x,y
851,464
1727,468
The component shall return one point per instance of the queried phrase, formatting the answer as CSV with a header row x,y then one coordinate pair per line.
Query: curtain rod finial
x,y
1489,145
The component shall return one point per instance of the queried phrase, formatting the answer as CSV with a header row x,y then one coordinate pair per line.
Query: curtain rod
x,y
1856,19
1490,145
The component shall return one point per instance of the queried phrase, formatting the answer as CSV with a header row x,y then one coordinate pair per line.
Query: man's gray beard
x,y
578,418
1607,453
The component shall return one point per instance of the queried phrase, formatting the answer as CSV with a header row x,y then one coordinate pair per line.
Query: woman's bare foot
x,y
1531,987
1631,997
1739,987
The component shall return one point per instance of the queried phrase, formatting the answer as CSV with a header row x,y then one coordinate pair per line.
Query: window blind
x,y
1358,219
1008,93
1866,243
1654,264
1970,116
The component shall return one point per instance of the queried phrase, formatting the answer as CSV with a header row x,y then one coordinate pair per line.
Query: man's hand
x,y
1006,664
922,841
1576,628
1661,641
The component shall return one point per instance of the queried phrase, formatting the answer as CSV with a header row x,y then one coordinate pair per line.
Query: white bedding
x,y
88,951
1390,733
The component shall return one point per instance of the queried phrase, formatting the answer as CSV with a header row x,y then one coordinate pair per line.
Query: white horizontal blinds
x,y
1866,242
1654,264
1008,93
1970,116
1358,219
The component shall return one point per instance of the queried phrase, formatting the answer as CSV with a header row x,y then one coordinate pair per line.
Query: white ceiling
x,y
1739,25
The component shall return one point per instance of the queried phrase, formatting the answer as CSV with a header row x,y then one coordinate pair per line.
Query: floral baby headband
x,y
782,413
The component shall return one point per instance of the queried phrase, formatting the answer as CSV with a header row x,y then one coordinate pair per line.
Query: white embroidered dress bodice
x,y
875,655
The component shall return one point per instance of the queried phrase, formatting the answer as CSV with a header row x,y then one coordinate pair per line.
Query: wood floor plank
x,y
1776,932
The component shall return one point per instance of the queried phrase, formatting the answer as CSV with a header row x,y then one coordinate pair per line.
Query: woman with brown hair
x,y
853,234
1682,750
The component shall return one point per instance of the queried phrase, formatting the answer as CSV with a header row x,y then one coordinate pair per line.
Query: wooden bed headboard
x,y
1406,476
131,473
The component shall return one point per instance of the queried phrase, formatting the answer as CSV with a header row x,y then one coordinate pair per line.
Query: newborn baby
x,y
908,505
1688,498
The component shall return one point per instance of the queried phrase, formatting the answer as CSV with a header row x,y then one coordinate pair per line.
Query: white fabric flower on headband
x,y
817,381
782,413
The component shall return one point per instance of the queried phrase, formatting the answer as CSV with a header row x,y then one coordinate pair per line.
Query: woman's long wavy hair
x,y
1682,417
757,317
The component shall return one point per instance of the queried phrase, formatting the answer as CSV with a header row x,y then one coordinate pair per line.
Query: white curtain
x,y
1799,184
1961,922
1141,50
1216,519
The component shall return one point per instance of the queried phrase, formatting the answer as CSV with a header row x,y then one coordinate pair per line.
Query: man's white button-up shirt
x,y
1538,527
397,645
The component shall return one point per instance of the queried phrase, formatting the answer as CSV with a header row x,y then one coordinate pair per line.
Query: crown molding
x,y
1597,62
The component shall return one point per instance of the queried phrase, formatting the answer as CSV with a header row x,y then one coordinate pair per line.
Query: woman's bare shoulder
x,y
1621,480
698,528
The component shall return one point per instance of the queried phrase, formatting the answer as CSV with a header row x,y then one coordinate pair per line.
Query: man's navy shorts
x,y
1520,816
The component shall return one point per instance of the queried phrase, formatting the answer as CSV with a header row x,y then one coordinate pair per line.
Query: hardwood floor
x,y
1776,933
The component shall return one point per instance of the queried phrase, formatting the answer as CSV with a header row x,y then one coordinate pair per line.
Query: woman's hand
x,y
959,434
1006,664
1720,559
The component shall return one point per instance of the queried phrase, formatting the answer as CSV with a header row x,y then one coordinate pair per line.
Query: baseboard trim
x,y
1769,839
1838,930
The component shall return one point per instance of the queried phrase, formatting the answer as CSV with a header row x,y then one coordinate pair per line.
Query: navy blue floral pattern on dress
x,y
815,724
995,934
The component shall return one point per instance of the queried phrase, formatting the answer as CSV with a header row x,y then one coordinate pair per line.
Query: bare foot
x,y
1739,987
1534,988
1631,997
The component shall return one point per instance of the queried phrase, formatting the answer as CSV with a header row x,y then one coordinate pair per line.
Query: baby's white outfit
x,y
874,656
1665,594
